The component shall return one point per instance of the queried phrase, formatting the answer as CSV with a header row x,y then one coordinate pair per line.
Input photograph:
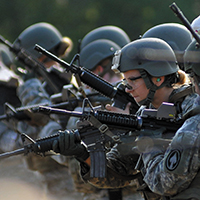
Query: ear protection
x,y
158,79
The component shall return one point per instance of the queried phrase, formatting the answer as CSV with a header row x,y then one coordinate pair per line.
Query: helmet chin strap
x,y
151,86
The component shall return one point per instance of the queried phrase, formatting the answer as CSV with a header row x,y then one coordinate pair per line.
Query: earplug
x,y
158,79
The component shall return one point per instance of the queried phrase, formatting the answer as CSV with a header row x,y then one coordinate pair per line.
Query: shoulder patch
x,y
173,160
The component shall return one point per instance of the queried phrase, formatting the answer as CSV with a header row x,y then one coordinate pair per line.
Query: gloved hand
x,y
66,145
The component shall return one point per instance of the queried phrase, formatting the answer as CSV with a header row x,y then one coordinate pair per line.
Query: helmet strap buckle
x,y
115,61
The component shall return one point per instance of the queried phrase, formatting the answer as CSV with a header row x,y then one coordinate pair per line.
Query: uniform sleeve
x,y
32,92
171,171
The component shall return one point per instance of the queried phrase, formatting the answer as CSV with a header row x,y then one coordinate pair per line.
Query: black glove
x,y
66,145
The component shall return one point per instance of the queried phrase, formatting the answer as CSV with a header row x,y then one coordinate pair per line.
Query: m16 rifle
x,y
100,130
70,103
52,78
117,94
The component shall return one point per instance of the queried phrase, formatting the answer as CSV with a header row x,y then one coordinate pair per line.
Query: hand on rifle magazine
x,y
68,146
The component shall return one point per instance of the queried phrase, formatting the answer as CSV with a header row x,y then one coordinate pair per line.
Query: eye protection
x,y
132,83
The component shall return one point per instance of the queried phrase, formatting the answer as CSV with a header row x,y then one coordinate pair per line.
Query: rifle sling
x,y
192,112
177,96
103,128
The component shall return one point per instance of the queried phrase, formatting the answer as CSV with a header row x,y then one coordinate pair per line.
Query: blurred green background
x,y
75,18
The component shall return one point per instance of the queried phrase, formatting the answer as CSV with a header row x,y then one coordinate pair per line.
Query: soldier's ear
x,y
98,70
158,80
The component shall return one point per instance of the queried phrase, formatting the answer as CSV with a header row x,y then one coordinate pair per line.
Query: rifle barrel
x,y
11,153
50,110
121,98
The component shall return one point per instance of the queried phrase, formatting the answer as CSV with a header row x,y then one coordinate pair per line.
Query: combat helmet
x,y
112,33
45,35
196,24
176,35
192,58
150,54
6,55
96,51
153,57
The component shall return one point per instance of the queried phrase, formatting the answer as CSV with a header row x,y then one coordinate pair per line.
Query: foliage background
x,y
75,18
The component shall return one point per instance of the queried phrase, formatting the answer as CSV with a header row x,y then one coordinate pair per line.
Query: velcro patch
x,y
173,159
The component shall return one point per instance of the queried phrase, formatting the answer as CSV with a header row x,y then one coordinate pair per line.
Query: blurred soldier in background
x,y
176,35
9,82
36,91
47,36
97,57
96,52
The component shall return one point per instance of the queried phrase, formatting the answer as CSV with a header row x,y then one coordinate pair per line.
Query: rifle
x,y
117,94
184,20
100,129
35,66
20,113
150,119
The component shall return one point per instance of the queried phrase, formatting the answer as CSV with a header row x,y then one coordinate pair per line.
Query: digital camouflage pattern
x,y
167,172
171,172
59,173
55,176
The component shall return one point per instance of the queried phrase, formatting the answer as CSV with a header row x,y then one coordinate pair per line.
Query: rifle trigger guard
x,y
103,128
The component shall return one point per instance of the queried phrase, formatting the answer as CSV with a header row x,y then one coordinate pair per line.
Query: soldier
x,y
56,177
47,36
96,52
97,57
169,170
9,82
176,35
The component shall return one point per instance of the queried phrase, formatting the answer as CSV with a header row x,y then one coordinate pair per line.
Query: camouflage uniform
x,y
171,171
175,172
89,191
8,84
56,177
59,173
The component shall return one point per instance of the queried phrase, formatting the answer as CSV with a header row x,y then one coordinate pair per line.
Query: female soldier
x,y
152,77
